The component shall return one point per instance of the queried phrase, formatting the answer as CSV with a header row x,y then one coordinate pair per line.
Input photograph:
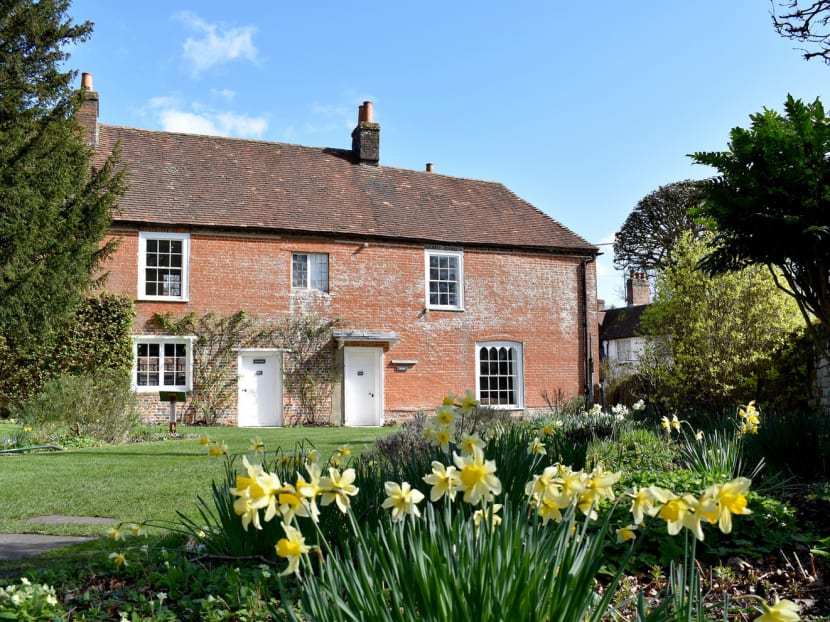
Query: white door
x,y
363,386
260,389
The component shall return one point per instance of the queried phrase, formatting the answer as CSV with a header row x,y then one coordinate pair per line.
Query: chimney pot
x,y
429,167
367,112
86,81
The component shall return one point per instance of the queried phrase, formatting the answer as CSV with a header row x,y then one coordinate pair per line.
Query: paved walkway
x,y
23,545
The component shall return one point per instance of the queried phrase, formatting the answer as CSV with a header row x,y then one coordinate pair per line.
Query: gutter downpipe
x,y
589,362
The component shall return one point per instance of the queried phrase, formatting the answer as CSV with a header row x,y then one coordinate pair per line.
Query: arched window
x,y
500,381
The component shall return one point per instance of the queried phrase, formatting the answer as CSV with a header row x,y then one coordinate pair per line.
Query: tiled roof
x,y
621,323
229,183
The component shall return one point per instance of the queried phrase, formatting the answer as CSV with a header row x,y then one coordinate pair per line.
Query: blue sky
x,y
580,108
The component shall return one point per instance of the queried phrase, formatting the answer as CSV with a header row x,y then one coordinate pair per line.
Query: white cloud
x,y
187,122
226,94
197,119
215,44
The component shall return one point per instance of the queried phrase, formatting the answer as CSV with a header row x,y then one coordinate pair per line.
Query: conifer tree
x,y
55,207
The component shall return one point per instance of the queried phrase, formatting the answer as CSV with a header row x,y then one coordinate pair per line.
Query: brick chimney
x,y
88,112
637,290
366,137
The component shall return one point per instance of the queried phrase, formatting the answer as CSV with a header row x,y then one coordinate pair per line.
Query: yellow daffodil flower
x,y
548,429
624,534
115,533
345,451
204,440
291,504
449,400
338,487
291,547
445,416
547,509
488,515
536,447
477,477
256,446
673,509
442,437
782,611
468,402
119,559
136,530
444,481
642,503
729,499
217,449
312,456
469,442
402,499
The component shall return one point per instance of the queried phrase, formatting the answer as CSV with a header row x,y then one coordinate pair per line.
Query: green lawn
x,y
137,481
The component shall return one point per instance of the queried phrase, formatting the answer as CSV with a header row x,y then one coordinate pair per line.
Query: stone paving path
x,y
23,545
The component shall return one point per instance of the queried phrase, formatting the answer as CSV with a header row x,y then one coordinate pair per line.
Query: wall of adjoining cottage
x,y
531,298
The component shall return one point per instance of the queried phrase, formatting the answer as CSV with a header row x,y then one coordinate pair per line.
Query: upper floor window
x,y
163,265
162,363
445,279
310,271
499,374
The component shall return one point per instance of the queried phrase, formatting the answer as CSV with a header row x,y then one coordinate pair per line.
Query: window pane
x,y
299,266
444,280
165,268
319,268
498,376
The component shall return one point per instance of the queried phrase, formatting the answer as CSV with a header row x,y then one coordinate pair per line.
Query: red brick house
x,y
440,283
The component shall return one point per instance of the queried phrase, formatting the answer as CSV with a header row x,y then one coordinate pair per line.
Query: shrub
x,y
101,406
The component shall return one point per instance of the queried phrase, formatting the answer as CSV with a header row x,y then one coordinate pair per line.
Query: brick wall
x,y
529,298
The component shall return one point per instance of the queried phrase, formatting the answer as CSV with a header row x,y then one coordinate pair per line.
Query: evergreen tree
x,y
55,207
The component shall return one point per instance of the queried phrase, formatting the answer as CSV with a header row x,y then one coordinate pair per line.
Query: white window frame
x,y
162,341
459,256
184,238
518,373
308,257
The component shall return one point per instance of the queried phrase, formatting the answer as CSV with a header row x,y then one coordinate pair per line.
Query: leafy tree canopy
x,y
770,202
713,341
648,235
54,206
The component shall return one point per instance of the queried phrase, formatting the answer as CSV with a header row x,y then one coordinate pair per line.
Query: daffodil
x,y
547,509
217,449
477,477
291,504
638,406
204,440
487,515
338,487
729,499
256,446
309,489
536,447
444,481
782,611
642,503
445,416
624,534
468,402
449,400
674,511
115,533
402,499
548,429
291,547
442,437
312,456
136,530
469,442
119,559
345,451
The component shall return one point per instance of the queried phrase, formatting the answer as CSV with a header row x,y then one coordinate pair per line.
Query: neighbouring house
x,y
620,341
438,283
